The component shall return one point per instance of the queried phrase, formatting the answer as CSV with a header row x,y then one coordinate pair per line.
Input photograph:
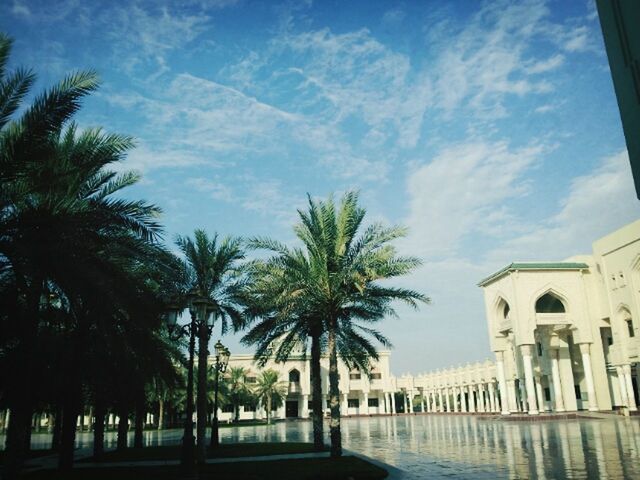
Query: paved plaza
x,y
442,446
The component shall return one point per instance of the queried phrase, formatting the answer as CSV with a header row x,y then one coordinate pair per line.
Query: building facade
x,y
360,393
565,334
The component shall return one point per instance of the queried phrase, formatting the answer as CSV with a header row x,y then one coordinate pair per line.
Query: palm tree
x,y
213,268
63,233
270,391
340,286
238,391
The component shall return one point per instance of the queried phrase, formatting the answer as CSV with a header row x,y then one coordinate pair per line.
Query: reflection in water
x,y
438,446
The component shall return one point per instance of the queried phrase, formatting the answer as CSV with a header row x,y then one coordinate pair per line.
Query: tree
x,y
238,393
213,267
337,286
270,391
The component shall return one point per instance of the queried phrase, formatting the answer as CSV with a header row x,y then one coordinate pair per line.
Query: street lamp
x,y
199,318
222,360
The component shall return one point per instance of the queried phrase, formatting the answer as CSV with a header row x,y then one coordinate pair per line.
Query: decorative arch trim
x,y
551,289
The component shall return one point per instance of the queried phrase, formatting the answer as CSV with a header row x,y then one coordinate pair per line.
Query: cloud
x,y
393,18
463,191
577,40
546,65
20,9
595,204
215,187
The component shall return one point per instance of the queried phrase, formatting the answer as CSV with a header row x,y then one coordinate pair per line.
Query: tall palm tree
x,y
213,266
62,233
238,392
341,289
270,391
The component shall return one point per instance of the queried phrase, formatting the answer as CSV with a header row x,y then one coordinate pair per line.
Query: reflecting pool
x,y
442,446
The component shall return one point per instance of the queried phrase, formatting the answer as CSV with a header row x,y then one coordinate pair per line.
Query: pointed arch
x,y
501,307
550,299
294,375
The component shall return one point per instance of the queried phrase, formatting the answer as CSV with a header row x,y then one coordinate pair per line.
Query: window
x,y
549,303
505,311
310,406
539,349
250,380
609,340
294,376
578,393
354,376
376,376
373,402
547,394
353,403
632,332
249,408
227,409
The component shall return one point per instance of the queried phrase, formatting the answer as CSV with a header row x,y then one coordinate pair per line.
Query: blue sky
x,y
490,129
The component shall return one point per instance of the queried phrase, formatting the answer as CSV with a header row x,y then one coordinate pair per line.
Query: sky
x,y
489,129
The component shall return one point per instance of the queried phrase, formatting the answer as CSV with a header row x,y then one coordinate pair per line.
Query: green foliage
x,y
270,391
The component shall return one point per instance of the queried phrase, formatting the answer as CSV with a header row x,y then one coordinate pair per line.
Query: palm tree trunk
x,y
316,395
72,408
57,428
123,428
98,431
139,425
201,401
160,413
268,409
15,453
334,394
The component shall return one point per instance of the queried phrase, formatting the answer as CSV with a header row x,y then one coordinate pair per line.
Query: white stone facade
x,y
565,334
360,394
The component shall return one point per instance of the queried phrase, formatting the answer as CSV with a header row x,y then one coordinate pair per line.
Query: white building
x,y
360,394
565,333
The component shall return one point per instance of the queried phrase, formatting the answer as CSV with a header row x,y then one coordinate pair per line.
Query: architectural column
x,y
588,376
434,403
557,384
527,353
404,400
492,397
454,394
365,404
626,370
539,394
440,404
481,404
463,399
502,383
410,401
305,406
393,403
447,393
472,403
344,408
424,404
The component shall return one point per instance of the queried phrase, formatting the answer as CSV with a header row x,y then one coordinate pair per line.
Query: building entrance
x,y
292,408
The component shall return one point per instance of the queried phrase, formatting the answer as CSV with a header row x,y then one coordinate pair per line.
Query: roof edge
x,y
512,267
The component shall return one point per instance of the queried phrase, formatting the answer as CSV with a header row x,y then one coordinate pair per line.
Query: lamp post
x,y
222,360
198,313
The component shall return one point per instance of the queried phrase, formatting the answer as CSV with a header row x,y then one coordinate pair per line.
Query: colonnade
x,y
469,389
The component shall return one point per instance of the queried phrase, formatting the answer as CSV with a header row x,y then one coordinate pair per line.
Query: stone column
x,y
404,400
492,397
305,406
626,370
481,405
454,394
447,397
463,399
539,394
410,401
557,384
588,376
434,403
365,404
527,353
393,403
502,383
345,405
440,404
424,404
472,403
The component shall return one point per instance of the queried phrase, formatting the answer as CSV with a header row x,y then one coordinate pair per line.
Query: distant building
x,y
565,334
360,394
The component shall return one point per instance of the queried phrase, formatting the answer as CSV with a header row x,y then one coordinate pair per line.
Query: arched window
x,y
549,303
294,376
506,310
